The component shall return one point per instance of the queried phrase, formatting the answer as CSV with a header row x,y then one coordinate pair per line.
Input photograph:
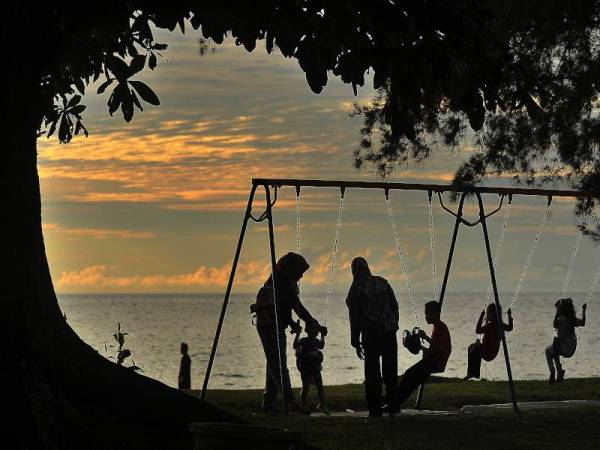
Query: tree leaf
x,y
78,109
118,67
145,92
74,101
52,128
104,85
152,61
80,85
137,64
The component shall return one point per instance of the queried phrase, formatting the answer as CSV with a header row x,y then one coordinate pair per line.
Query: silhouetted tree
x,y
529,103
440,64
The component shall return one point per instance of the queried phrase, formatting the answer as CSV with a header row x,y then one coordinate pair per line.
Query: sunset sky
x,y
156,205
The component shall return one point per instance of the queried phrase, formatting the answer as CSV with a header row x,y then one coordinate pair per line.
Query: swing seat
x,y
411,340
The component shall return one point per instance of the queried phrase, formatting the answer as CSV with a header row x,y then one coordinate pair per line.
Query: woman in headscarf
x,y
289,270
373,311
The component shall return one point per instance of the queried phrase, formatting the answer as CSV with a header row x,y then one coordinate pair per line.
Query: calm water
x,y
159,323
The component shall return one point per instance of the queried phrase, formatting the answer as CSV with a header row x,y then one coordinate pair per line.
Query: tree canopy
x,y
517,78
533,117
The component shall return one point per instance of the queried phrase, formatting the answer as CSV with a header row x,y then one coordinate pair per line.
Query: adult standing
x,y
374,316
288,271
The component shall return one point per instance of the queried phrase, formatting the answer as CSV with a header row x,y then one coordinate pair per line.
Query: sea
x,y
156,325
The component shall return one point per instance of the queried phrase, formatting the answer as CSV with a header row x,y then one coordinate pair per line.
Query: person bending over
x,y
271,327
489,346
435,356
565,341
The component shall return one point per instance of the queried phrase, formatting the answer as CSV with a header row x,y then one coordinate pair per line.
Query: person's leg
x,y
389,364
412,379
304,393
372,348
560,373
320,391
268,339
474,360
550,360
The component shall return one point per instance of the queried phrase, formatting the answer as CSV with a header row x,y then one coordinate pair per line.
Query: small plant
x,y
121,353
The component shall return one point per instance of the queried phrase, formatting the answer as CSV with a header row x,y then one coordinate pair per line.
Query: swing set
x,y
505,193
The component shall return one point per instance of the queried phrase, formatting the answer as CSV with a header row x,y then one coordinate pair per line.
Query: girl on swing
x,y
565,341
489,346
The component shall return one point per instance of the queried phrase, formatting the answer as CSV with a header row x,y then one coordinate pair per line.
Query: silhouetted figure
x,y
309,361
435,356
185,367
289,270
565,341
489,346
373,312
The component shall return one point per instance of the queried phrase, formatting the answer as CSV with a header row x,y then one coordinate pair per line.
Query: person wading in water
x,y
289,270
373,311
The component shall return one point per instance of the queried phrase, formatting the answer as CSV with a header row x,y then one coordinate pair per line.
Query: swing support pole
x,y
236,259
497,301
457,223
280,350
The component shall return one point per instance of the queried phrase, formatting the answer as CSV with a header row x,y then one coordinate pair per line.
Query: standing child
x,y
489,346
565,341
309,359
184,379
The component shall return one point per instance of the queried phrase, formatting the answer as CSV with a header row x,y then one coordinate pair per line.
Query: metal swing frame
x,y
439,189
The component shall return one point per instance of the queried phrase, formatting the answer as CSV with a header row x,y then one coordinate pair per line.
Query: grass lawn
x,y
576,428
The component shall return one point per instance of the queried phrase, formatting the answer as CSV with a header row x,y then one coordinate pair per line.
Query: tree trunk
x,y
61,393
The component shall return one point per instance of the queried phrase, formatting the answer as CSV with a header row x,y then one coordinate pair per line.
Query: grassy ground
x,y
577,428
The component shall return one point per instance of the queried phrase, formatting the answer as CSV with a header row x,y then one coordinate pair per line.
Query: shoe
x,y
270,409
552,378
561,376
323,410
391,411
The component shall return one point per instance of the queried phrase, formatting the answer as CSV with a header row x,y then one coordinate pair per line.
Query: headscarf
x,y
293,266
360,275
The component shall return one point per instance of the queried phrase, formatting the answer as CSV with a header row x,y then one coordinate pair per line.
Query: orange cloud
x,y
250,274
96,233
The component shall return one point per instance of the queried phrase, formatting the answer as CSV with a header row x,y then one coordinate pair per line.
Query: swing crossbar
x,y
438,188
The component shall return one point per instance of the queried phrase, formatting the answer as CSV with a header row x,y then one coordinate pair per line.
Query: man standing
x,y
185,368
373,311
435,356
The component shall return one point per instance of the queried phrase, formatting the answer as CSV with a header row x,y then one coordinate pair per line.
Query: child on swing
x,y
309,359
489,346
565,341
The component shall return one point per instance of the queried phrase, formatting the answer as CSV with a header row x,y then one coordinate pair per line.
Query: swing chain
x,y
498,255
298,227
336,243
402,256
573,257
432,247
531,254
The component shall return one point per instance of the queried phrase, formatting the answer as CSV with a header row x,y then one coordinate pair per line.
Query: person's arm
x,y
509,326
394,302
352,302
302,312
426,338
581,322
479,327
322,342
297,341
556,320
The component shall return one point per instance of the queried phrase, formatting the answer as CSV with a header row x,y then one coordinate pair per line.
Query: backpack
x,y
263,309
381,308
